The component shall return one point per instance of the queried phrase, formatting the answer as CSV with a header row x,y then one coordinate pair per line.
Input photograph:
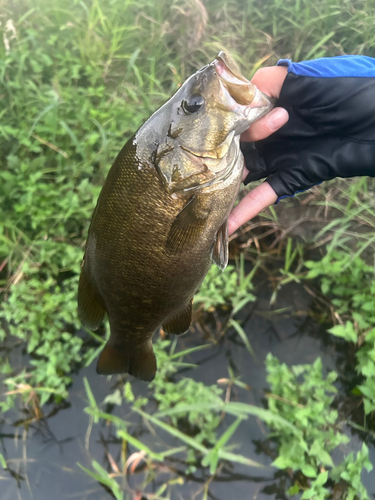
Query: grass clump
x,y
232,288
191,413
303,397
50,342
349,282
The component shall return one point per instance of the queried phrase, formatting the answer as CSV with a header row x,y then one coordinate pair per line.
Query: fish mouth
x,y
227,70
240,89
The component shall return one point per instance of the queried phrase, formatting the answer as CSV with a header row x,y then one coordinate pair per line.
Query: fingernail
x,y
277,118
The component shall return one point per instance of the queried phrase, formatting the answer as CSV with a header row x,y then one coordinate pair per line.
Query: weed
x,y
351,290
188,411
302,396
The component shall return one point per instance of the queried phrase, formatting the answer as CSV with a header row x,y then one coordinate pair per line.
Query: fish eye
x,y
193,103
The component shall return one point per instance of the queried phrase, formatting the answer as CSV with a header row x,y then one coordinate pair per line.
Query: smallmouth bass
x,y
161,217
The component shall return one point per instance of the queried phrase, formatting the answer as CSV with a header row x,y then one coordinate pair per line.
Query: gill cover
x,y
206,117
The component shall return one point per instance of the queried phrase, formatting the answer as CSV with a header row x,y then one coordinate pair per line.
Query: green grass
x,y
77,78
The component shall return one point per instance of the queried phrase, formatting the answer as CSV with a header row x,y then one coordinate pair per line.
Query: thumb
x,y
266,125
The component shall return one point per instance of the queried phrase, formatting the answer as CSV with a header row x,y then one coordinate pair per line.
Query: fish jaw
x,y
242,97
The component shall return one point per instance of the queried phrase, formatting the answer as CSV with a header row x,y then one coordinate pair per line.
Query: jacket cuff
x,y
285,62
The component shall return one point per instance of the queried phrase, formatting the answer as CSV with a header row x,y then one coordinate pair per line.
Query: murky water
x,y
44,458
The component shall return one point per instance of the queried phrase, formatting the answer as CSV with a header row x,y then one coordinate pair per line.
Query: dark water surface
x,y
44,458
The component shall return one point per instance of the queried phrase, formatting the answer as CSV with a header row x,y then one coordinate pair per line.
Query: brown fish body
x,y
150,245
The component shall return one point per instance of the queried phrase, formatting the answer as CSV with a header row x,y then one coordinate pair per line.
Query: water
x,y
43,456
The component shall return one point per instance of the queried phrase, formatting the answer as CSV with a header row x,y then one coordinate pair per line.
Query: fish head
x,y
200,126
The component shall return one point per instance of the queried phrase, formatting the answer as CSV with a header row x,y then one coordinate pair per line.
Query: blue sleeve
x,y
333,67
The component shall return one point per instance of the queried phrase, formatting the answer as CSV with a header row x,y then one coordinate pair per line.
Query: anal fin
x,y
90,310
180,322
220,250
140,362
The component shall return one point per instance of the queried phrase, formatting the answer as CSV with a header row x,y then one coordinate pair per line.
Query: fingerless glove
x,y
331,127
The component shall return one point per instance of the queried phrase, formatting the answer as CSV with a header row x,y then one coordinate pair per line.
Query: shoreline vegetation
x,y
77,79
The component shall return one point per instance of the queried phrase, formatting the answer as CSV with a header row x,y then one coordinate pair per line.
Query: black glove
x,y
331,127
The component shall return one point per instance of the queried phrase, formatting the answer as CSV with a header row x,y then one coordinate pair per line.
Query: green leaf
x,y
281,462
293,490
174,432
102,476
198,446
241,332
3,462
114,398
308,470
90,396
240,459
211,460
128,392
141,446
346,331
322,478
228,433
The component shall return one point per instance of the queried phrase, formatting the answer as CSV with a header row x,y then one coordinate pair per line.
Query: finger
x,y
254,202
270,80
266,126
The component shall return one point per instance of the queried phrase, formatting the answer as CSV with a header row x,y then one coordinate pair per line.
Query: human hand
x,y
270,81
330,132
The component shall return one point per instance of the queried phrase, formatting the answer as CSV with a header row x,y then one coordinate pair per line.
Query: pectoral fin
x,y
180,322
90,309
188,226
220,251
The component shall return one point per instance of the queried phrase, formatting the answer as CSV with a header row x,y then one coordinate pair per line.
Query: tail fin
x,y
140,362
